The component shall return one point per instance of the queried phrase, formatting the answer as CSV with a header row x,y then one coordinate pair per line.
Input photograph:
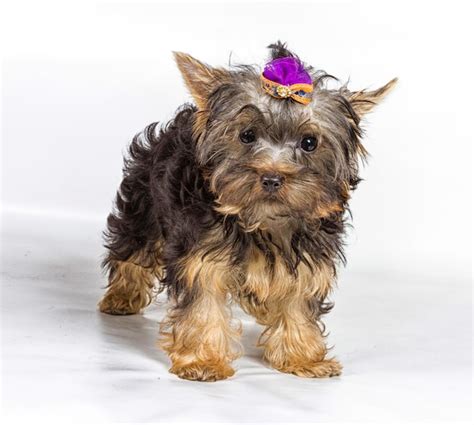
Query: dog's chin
x,y
262,211
271,199
270,210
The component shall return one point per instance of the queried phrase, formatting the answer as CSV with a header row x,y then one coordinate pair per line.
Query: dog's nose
x,y
271,182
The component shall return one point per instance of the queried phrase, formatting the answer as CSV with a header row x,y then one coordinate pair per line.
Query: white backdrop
x,y
81,78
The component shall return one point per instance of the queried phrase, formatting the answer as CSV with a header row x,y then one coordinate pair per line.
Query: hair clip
x,y
286,78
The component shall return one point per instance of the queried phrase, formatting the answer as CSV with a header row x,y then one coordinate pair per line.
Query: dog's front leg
x,y
293,342
197,333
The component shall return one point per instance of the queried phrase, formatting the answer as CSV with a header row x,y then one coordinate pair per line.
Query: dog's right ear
x,y
201,79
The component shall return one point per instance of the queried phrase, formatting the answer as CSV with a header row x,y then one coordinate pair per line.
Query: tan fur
x,y
364,101
326,210
199,124
132,283
200,339
199,78
270,288
293,342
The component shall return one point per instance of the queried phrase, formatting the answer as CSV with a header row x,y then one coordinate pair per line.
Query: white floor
x,y
404,338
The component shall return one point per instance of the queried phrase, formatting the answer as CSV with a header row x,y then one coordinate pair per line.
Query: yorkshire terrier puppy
x,y
241,197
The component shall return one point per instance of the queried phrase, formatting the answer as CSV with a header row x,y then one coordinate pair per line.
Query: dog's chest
x,y
262,278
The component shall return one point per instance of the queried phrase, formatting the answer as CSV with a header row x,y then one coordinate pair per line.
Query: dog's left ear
x,y
364,101
201,79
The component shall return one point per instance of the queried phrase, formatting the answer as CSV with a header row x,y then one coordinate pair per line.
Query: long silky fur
x,y
190,188
164,196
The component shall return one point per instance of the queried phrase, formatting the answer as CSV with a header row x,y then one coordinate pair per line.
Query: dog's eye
x,y
309,143
247,136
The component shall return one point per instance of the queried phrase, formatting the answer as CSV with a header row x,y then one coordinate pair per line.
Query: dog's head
x,y
271,156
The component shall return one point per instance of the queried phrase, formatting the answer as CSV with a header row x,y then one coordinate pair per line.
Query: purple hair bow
x,y
286,78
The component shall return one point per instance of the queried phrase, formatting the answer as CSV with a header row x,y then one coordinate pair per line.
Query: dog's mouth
x,y
272,198
249,199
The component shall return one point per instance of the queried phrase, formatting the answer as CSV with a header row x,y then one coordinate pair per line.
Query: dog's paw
x,y
198,371
322,369
114,304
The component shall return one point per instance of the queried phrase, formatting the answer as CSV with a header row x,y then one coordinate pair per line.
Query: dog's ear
x,y
201,79
364,101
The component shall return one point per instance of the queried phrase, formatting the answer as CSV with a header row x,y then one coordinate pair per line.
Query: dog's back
x,y
162,196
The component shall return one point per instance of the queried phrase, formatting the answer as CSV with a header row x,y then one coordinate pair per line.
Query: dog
x,y
242,197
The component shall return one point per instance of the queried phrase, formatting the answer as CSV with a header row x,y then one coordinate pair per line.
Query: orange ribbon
x,y
301,93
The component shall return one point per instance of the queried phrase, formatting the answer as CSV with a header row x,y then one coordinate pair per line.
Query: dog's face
x,y
268,159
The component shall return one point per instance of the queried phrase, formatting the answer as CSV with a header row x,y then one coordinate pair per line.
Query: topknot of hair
x,y
279,50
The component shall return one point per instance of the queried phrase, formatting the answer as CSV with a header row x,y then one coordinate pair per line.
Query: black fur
x,y
163,196
166,199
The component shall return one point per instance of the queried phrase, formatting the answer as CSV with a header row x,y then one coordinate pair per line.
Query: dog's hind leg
x,y
133,239
131,283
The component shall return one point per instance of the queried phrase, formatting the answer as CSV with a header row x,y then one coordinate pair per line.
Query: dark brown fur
x,y
191,217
